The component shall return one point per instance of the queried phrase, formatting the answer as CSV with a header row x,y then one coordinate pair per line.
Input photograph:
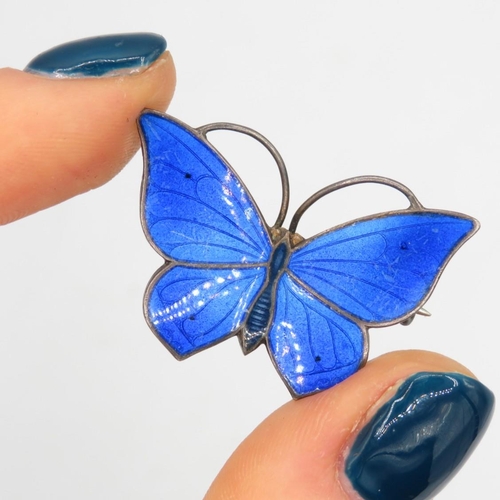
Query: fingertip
x,y
63,137
300,450
417,435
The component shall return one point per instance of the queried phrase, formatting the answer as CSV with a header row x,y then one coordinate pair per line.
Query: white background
x,y
92,406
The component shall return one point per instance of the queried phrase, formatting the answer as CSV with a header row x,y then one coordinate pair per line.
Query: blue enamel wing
x,y
228,273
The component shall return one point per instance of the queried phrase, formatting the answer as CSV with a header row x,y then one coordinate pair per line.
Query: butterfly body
x,y
259,315
310,301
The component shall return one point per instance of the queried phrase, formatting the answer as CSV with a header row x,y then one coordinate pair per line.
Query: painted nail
x,y
108,55
419,439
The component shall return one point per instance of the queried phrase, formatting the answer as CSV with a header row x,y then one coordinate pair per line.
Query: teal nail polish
x,y
99,56
419,439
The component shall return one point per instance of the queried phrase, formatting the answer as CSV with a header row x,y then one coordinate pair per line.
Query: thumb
x,y
402,425
69,120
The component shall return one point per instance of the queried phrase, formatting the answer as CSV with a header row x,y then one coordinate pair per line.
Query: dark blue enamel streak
x,y
191,308
380,269
195,207
313,346
99,56
419,439
258,319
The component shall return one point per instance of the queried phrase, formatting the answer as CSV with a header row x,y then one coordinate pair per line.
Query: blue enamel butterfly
x,y
310,301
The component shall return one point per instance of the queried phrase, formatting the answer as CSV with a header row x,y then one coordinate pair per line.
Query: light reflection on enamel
x,y
176,310
228,194
223,284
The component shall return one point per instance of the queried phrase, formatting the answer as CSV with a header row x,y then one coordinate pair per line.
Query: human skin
x,y
60,140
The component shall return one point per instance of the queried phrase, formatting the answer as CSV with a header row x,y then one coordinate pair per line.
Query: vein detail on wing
x,y
191,308
309,362
194,196
380,269
318,273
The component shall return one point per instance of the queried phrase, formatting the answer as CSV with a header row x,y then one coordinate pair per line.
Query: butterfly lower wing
x,y
195,208
312,345
191,309
381,270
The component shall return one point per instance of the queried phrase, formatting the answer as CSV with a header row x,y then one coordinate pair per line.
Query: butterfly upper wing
x,y
193,308
382,269
313,346
195,208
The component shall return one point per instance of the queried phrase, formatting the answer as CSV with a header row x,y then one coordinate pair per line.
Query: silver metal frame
x,y
277,233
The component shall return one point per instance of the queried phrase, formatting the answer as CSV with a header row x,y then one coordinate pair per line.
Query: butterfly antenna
x,y
363,179
285,184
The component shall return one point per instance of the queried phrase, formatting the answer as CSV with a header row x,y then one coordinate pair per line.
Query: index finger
x,y
64,136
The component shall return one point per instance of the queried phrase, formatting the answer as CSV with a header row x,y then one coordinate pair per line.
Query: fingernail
x,y
418,440
108,55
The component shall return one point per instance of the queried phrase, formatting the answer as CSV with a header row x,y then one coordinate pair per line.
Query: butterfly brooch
x,y
310,301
